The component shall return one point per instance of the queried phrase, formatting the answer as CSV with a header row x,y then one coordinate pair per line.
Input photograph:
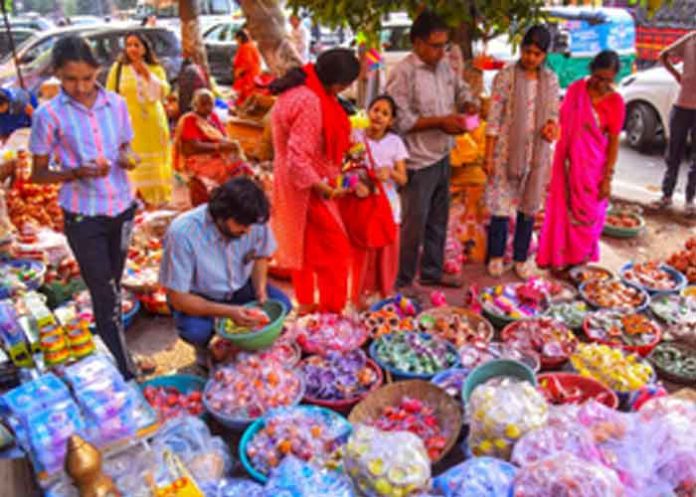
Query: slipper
x,y
523,270
496,267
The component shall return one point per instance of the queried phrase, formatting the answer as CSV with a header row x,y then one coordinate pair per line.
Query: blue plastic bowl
x,y
678,278
641,308
397,374
257,425
184,383
494,369
241,424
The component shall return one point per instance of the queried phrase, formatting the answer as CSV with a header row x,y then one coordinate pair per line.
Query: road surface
x,y
638,176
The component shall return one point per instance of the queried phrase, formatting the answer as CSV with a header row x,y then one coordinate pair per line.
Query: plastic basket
x,y
398,374
619,232
545,361
260,423
678,278
184,383
345,405
642,350
262,338
240,424
495,369
638,309
587,386
32,284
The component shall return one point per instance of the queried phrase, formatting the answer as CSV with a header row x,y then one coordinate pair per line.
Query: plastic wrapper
x,y
248,389
319,333
207,457
477,477
653,451
553,439
237,487
501,411
295,478
308,433
386,464
338,376
565,475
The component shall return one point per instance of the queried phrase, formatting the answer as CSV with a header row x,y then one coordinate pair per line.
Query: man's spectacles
x,y
440,46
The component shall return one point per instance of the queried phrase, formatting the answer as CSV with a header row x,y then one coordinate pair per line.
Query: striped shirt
x,y
76,135
199,259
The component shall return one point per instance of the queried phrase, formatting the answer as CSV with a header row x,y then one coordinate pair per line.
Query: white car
x,y
649,96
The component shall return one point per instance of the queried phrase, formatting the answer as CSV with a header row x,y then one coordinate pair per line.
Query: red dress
x,y
312,241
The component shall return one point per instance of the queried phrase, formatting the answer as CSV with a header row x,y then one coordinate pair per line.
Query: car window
x,y
163,43
214,34
396,39
44,45
104,48
219,7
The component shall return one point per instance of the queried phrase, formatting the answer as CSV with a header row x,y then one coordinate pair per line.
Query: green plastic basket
x,y
495,369
277,312
617,232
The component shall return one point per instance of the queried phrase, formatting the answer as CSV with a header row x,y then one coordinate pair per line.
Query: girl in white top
x,y
375,270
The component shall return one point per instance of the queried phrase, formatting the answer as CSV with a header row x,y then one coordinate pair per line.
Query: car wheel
x,y
641,126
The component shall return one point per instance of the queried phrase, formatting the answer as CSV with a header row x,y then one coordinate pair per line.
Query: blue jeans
x,y
498,235
198,330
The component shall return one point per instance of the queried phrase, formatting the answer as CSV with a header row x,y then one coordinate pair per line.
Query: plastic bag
x,y
565,475
207,457
477,477
501,411
295,478
552,439
238,488
386,464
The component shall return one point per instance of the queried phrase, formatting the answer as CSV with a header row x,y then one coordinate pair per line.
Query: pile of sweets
x,y
248,389
307,433
500,412
386,464
615,368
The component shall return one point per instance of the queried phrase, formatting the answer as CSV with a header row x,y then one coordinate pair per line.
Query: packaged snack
x,y
477,477
339,376
386,464
416,354
618,370
567,475
500,412
320,333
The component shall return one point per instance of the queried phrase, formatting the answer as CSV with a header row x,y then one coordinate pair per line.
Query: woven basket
x,y
447,410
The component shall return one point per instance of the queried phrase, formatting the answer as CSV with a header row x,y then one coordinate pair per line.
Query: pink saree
x,y
574,214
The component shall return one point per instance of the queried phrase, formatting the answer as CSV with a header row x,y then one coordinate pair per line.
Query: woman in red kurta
x,y
247,66
311,134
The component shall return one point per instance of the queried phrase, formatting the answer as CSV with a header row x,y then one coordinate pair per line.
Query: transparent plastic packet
x,y
552,439
386,464
477,477
564,474
500,412
296,478
208,458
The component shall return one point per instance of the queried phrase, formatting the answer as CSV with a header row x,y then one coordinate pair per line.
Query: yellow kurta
x,y
153,177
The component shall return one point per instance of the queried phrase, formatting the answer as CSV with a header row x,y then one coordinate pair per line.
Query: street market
x,y
275,293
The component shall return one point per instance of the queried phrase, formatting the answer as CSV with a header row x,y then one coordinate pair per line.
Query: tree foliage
x,y
484,18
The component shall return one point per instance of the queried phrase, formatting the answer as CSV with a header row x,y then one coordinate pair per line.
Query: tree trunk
x,y
191,36
462,36
266,25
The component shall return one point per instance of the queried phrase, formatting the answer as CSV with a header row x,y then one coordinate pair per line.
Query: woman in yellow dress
x,y
142,82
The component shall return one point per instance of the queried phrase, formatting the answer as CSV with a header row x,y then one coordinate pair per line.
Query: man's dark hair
x,y
426,24
539,36
240,199
72,49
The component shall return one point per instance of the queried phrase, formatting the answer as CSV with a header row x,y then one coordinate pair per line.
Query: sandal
x,y
523,270
496,267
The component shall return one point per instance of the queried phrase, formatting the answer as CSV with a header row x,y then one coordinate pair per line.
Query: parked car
x,y
33,22
107,43
19,35
221,48
649,96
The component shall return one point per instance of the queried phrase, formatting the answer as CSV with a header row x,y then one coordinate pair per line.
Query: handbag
x,y
369,221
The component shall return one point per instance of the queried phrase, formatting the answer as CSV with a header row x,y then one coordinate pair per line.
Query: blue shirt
x,y
78,135
198,259
16,116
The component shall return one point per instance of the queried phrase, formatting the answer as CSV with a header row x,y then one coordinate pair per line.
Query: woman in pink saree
x,y
591,119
